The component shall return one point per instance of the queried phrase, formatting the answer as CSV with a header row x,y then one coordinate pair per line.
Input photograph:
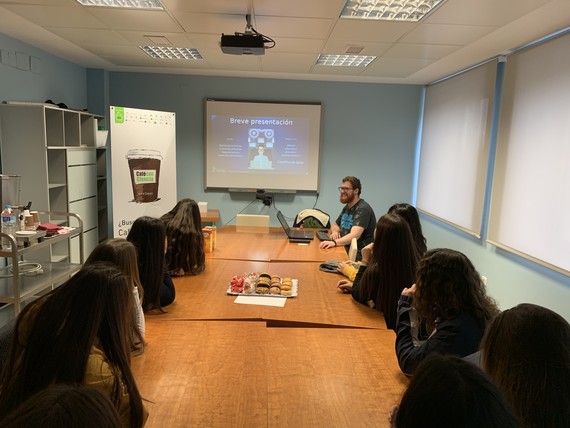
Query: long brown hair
x,y
122,254
447,285
54,336
148,236
185,251
526,350
410,214
392,267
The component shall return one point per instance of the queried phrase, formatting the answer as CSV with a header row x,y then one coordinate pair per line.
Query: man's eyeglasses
x,y
345,189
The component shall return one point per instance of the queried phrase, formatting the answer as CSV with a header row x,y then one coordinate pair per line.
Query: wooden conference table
x,y
321,360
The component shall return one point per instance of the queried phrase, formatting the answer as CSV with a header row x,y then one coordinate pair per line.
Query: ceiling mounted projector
x,y
249,42
242,44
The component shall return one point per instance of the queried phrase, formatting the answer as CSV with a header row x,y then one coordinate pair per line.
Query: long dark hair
x,y
393,265
447,285
410,214
122,254
65,405
54,336
448,392
148,235
185,253
526,350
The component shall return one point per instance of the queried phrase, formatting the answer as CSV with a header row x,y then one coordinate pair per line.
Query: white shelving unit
x,y
55,152
16,286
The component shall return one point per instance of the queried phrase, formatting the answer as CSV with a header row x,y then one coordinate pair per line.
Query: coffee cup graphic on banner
x,y
144,168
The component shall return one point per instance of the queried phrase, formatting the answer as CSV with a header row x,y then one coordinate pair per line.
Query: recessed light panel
x,y
390,10
345,60
127,4
168,52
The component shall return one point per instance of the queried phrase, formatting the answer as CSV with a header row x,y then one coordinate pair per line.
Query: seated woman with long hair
x,y
526,351
388,265
64,405
451,302
123,254
185,248
448,392
78,333
148,234
410,214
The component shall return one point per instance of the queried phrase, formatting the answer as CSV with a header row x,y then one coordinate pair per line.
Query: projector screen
x,y
253,145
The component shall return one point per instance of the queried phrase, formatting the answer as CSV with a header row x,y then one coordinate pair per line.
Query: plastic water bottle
x,y
8,226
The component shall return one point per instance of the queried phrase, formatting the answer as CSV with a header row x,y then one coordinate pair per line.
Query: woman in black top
x,y
452,304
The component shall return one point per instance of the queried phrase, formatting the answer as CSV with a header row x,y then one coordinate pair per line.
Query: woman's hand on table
x,y
345,286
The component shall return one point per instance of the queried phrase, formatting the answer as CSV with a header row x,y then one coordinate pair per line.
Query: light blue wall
x,y
369,131
51,78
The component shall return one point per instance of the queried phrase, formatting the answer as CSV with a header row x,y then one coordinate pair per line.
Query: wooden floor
x,y
321,361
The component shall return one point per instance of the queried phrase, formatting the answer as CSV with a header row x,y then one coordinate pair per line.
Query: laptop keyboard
x,y
323,235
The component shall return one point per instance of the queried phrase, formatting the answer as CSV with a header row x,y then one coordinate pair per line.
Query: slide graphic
x,y
243,145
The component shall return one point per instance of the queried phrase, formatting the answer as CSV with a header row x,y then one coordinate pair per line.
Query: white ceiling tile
x,y
482,12
83,36
395,67
302,28
133,20
302,46
410,50
299,8
371,31
340,46
290,63
235,7
445,34
57,16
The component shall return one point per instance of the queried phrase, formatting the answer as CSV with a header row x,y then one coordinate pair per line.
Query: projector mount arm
x,y
250,31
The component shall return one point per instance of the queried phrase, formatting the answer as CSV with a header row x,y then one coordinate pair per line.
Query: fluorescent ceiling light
x,y
390,10
345,60
127,4
168,52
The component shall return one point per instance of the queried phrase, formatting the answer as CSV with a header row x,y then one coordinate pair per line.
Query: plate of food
x,y
263,284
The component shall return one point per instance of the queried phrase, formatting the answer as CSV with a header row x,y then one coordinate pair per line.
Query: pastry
x,y
275,289
286,292
262,289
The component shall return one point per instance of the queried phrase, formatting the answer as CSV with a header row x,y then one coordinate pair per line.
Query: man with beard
x,y
356,220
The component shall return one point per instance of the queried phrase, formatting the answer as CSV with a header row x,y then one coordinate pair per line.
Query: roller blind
x,y
530,201
455,147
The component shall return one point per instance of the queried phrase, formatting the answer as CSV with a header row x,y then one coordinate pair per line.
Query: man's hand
x,y
327,244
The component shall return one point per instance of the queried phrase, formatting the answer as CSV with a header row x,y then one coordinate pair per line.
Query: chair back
x,y
353,249
312,218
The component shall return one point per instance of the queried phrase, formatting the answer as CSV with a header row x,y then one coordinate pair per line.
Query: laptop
x,y
294,235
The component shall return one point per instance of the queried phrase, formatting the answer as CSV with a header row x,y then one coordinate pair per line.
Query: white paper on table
x,y
260,300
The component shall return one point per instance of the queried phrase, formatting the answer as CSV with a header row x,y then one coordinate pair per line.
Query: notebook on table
x,y
295,235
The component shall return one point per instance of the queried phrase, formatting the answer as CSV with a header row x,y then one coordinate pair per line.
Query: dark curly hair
x,y
448,285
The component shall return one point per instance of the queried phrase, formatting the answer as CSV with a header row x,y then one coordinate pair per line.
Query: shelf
x,y
56,185
46,242
53,274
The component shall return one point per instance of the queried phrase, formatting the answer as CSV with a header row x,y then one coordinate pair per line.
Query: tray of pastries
x,y
263,284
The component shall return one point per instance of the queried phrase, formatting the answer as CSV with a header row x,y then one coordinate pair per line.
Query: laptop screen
x,y
283,222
